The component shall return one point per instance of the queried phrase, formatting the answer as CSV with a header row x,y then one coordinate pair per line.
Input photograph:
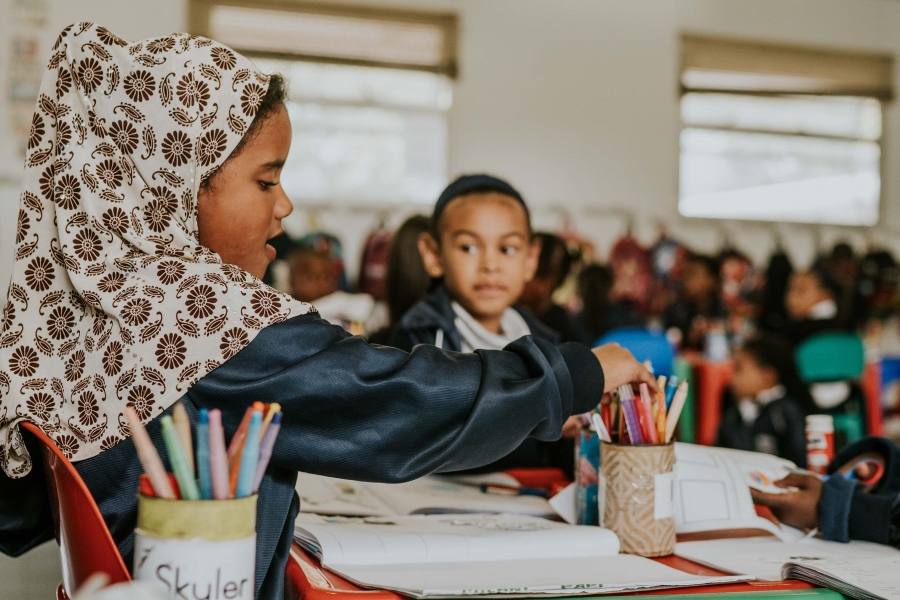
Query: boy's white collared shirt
x,y
475,337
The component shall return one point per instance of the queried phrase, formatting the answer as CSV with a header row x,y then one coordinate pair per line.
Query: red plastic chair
x,y
84,540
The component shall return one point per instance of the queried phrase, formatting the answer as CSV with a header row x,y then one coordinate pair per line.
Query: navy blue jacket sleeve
x,y
373,413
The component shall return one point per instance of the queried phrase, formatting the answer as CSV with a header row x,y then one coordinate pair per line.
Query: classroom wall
x,y
575,101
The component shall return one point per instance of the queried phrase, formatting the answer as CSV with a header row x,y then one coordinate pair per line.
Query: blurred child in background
x,y
553,267
599,314
700,306
316,278
812,305
481,252
770,402
406,281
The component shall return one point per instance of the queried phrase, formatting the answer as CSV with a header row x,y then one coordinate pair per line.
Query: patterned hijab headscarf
x,y
113,300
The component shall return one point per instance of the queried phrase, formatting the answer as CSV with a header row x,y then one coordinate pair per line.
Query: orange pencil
x,y
234,463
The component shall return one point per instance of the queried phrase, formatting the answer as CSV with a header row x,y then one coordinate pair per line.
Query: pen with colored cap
x,y
179,461
265,449
249,457
203,471
632,422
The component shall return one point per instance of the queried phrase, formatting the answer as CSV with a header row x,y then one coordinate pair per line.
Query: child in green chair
x,y
770,402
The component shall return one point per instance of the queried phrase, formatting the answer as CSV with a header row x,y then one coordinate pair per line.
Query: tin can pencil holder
x,y
197,548
636,488
587,460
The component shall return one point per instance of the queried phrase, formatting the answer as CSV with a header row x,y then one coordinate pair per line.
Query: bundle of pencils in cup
x,y
647,419
217,473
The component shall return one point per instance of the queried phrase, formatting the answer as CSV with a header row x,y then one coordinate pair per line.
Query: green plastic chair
x,y
831,356
836,356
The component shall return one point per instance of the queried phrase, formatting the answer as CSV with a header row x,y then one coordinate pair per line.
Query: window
x,y
369,95
768,137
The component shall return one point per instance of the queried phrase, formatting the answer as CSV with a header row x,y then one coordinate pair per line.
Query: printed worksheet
x,y
712,489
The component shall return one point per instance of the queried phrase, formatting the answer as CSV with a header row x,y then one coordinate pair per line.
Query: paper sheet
x,y
764,557
712,489
552,578
564,504
326,495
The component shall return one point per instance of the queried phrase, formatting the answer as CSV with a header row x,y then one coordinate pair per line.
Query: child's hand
x,y
571,427
620,368
798,509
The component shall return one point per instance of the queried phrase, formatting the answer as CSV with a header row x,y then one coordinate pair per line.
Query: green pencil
x,y
179,460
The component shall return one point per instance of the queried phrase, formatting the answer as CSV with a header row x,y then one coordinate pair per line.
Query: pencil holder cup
x,y
635,495
587,459
197,548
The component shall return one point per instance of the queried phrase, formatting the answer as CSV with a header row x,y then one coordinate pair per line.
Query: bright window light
x,y
364,134
808,159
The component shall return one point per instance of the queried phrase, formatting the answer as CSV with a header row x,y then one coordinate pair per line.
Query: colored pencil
x,y
647,410
670,391
675,411
249,457
206,492
183,425
218,460
632,422
148,456
178,460
265,449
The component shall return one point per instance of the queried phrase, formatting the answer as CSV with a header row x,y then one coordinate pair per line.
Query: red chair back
x,y
84,540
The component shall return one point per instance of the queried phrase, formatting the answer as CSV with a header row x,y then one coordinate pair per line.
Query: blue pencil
x,y
249,458
670,391
203,456
265,449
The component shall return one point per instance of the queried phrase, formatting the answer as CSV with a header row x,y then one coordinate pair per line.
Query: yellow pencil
x,y
675,410
273,408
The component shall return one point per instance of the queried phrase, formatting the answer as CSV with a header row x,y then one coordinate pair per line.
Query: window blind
x,y
727,65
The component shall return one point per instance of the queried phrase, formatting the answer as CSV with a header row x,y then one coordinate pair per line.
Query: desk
x,y
305,579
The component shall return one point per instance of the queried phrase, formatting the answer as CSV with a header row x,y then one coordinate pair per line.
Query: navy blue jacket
x,y
847,512
351,410
421,323
435,312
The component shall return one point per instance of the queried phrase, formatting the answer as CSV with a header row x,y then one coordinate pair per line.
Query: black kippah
x,y
467,184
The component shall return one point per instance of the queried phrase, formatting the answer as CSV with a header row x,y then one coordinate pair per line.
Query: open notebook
x,y
429,495
856,577
712,492
446,556
764,557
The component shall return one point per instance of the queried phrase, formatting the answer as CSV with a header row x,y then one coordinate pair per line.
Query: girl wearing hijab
x,y
151,189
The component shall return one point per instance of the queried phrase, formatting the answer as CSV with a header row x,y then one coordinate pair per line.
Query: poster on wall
x,y
27,23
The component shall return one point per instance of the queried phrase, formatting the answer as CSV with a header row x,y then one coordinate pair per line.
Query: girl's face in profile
x,y
242,207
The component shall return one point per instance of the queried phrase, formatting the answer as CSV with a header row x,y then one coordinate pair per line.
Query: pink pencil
x,y
647,410
218,461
